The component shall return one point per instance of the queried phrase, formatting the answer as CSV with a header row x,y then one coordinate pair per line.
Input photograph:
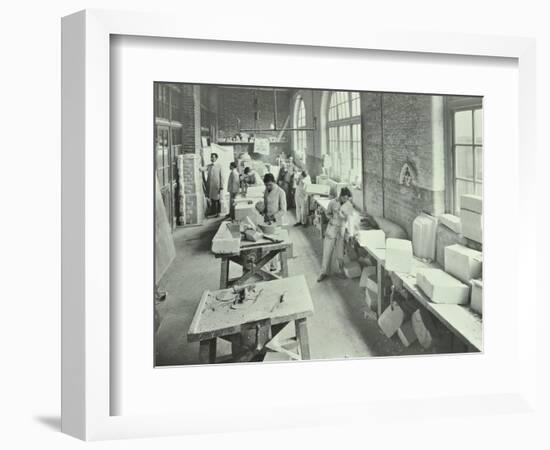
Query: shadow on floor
x,y
51,422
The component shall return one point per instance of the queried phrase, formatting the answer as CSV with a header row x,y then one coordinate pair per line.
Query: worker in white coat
x,y
300,198
273,207
333,244
274,204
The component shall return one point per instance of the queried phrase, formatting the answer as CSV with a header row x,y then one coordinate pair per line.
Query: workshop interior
x,y
306,224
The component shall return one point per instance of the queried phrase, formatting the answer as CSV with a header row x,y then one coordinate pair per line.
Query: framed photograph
x,y
303,220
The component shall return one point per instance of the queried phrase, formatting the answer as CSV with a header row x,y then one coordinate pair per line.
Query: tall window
x,y
344,137
467,153
300,142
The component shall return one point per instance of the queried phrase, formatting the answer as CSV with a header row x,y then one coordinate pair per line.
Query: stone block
x,y
462,262
371,238
391,319
472,203
406,334
450,221
399,255
471,224
440,287
476,299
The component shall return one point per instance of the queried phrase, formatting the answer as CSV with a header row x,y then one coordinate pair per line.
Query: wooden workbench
x,y
264,247
460,320
218,319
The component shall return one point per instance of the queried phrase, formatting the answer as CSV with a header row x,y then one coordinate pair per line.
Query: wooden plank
x,y
214,318
193,328
372,285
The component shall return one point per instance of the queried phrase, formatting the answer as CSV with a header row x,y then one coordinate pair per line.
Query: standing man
x,y
233,185
274,206
333,244
283,180
214,184
300,198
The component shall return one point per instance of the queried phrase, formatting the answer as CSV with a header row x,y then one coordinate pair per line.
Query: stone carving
x,y
407,175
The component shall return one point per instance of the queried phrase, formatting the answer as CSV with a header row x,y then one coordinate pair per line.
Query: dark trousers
x,y
232,204
215,207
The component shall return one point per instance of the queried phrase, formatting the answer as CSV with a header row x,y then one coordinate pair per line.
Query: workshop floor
x,y
337,329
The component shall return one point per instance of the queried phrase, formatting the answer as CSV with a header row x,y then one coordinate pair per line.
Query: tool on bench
x,y
245,295
280,300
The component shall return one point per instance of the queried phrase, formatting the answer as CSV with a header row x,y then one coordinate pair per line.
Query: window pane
x,y
478,126
463,127
355,104
463,187
160,177
479,189
479,163
464,162
344,134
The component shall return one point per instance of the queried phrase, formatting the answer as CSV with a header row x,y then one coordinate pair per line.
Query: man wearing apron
x,y
333,244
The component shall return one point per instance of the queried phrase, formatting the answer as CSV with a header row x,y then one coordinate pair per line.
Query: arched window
x,y
300,142
344,137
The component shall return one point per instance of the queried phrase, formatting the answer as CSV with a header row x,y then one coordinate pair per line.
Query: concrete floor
x,y
337,329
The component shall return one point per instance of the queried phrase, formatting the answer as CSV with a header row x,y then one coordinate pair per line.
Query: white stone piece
x,y
421,331
406,334
317,189
472,203
370,299
367,272
451,221
372,238
255,191
462,262
471,224
399,255
352,269
476,299
440,287
244,211
391,319
227,240
423,236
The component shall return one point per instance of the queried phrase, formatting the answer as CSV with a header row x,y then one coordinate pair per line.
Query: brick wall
x,y
193,193
191,122
399,129
191,118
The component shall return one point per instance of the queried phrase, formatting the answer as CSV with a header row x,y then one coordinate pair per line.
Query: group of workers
x,y
214,184
274,205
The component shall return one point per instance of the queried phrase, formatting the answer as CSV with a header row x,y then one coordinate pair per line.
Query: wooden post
x,y
303,337
284,264
207,351
224,276
380,278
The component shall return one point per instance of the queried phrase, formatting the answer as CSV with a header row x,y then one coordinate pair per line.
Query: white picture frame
x,y
86,258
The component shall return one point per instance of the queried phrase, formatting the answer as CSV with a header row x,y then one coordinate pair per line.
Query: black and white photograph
x,y
304,224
